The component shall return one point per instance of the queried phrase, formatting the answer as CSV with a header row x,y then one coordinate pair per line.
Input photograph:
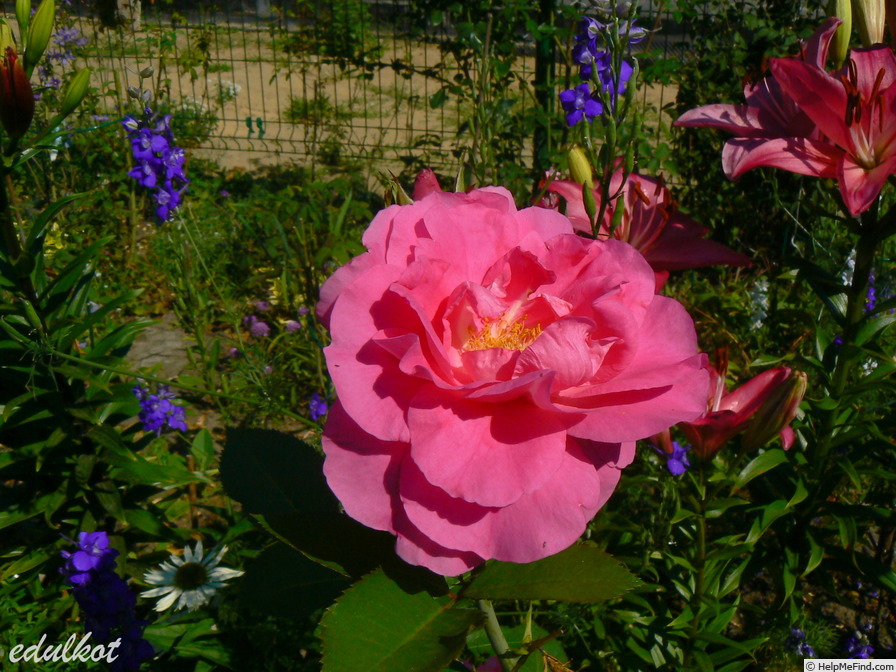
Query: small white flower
x,y
189,580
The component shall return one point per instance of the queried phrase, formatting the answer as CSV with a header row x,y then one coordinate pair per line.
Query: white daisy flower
x,y
189,580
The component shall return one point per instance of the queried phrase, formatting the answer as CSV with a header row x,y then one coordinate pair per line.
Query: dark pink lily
x,y
652,224
808,121
729,413
855,110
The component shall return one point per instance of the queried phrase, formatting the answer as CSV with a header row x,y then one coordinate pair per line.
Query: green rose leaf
x,y
377,622
284,582
272,473
581,573
281,478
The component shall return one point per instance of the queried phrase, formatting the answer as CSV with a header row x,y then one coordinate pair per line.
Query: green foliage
x,y
390,629
712,568
342,30
314,110
581,573
730,44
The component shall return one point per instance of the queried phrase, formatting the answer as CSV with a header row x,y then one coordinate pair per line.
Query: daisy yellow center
x,y
190,576
500,334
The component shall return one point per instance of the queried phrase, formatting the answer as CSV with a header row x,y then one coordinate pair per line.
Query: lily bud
x,y
777,412
74,94
39,34
16,95
23,15
869,19
841,9
580,167
6,38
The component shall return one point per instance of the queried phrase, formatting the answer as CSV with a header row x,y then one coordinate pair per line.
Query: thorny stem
x,y
496,635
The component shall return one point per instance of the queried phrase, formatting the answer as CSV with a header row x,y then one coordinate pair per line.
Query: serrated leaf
x,y
272,473
281,478
581,573
283,582
376,622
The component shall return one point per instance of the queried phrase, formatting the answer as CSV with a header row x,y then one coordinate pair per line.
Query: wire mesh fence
x,y
316,81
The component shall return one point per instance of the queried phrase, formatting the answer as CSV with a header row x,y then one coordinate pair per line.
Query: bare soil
x,y
379,119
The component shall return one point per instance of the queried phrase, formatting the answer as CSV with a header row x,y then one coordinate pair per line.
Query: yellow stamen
x,y
499,334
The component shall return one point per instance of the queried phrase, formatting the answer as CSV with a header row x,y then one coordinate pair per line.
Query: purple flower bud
x,y
292,326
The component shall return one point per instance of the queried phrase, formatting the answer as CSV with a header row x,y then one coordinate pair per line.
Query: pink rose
x,y
493,371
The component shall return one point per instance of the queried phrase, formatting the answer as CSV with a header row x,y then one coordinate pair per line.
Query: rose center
x,y
501,334
190,576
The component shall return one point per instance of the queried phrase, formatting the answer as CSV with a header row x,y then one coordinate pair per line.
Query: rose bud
x,y
425,183
16,96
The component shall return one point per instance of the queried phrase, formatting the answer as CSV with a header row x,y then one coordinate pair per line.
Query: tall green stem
x,y
14,251
699,560
866,249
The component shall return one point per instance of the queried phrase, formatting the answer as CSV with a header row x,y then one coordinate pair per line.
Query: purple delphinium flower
x,y
678,462
158,410
854,648
93,551
797,644
303,310
317,406
292,326
594,41
871,295
160,163
587,55
106,601
260,329
262,306
579,104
